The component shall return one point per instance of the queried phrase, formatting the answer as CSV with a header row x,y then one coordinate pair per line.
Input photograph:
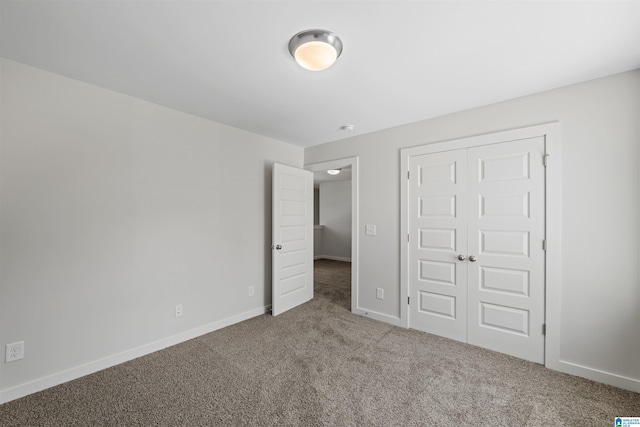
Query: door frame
x,y
355,216
553,214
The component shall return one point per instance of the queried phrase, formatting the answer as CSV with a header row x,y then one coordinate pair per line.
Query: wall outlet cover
x,y
178,310
14,351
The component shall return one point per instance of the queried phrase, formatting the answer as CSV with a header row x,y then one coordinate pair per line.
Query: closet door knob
x,y
472,258
461,257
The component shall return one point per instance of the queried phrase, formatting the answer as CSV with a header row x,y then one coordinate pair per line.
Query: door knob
x,y
278,247
461,257
472,258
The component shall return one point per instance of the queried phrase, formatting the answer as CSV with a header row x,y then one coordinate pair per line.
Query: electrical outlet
x,y
178,310
379,293
14,351
251,291
370,230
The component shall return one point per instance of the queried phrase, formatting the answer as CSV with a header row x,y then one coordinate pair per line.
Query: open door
x,y
292,231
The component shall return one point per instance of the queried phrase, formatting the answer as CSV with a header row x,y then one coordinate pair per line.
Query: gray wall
x,y
113,210
335,216
600,120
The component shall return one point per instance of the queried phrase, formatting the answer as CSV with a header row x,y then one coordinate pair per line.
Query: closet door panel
x,y
437,236
506,229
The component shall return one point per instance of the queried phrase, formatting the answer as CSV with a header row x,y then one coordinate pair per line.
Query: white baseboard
x,y
396,321
596,375
333,258
116,359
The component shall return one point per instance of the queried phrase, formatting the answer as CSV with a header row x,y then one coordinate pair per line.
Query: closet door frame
x,y
553,191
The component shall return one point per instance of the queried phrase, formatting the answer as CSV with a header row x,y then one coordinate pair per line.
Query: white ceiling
x,y
402,61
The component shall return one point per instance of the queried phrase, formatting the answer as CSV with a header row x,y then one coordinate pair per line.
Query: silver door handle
x,y
461,257
472,258
278,247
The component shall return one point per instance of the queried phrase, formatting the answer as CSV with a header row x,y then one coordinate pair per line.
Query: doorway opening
x,y
335,231
332,235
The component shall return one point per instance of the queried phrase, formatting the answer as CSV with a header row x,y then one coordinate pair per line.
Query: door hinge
x,y
544,245
544,329
545,159
408,300
408,175
408,236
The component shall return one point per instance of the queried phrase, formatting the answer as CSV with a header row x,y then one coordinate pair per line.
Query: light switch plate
x,y
370,230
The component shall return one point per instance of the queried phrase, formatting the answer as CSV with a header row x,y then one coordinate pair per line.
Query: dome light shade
x,y
334,171
315,50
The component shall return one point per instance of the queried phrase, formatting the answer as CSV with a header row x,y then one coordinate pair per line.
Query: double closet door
x,y
476,246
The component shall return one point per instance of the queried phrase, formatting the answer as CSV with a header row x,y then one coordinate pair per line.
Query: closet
x,y
476,245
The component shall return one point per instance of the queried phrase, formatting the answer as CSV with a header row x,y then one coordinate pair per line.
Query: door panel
x,y
292,249
437,234
506,232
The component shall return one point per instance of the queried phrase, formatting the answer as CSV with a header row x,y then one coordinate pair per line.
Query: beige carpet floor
x,y
319,364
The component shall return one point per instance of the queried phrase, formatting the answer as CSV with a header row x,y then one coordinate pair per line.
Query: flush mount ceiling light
x,y
315,50
334,171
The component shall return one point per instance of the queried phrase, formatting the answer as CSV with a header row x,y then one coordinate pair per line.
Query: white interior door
x,y
438,235
476,234
506,231
292,231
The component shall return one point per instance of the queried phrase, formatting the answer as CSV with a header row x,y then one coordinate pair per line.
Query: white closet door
x,y
506,229
437,235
